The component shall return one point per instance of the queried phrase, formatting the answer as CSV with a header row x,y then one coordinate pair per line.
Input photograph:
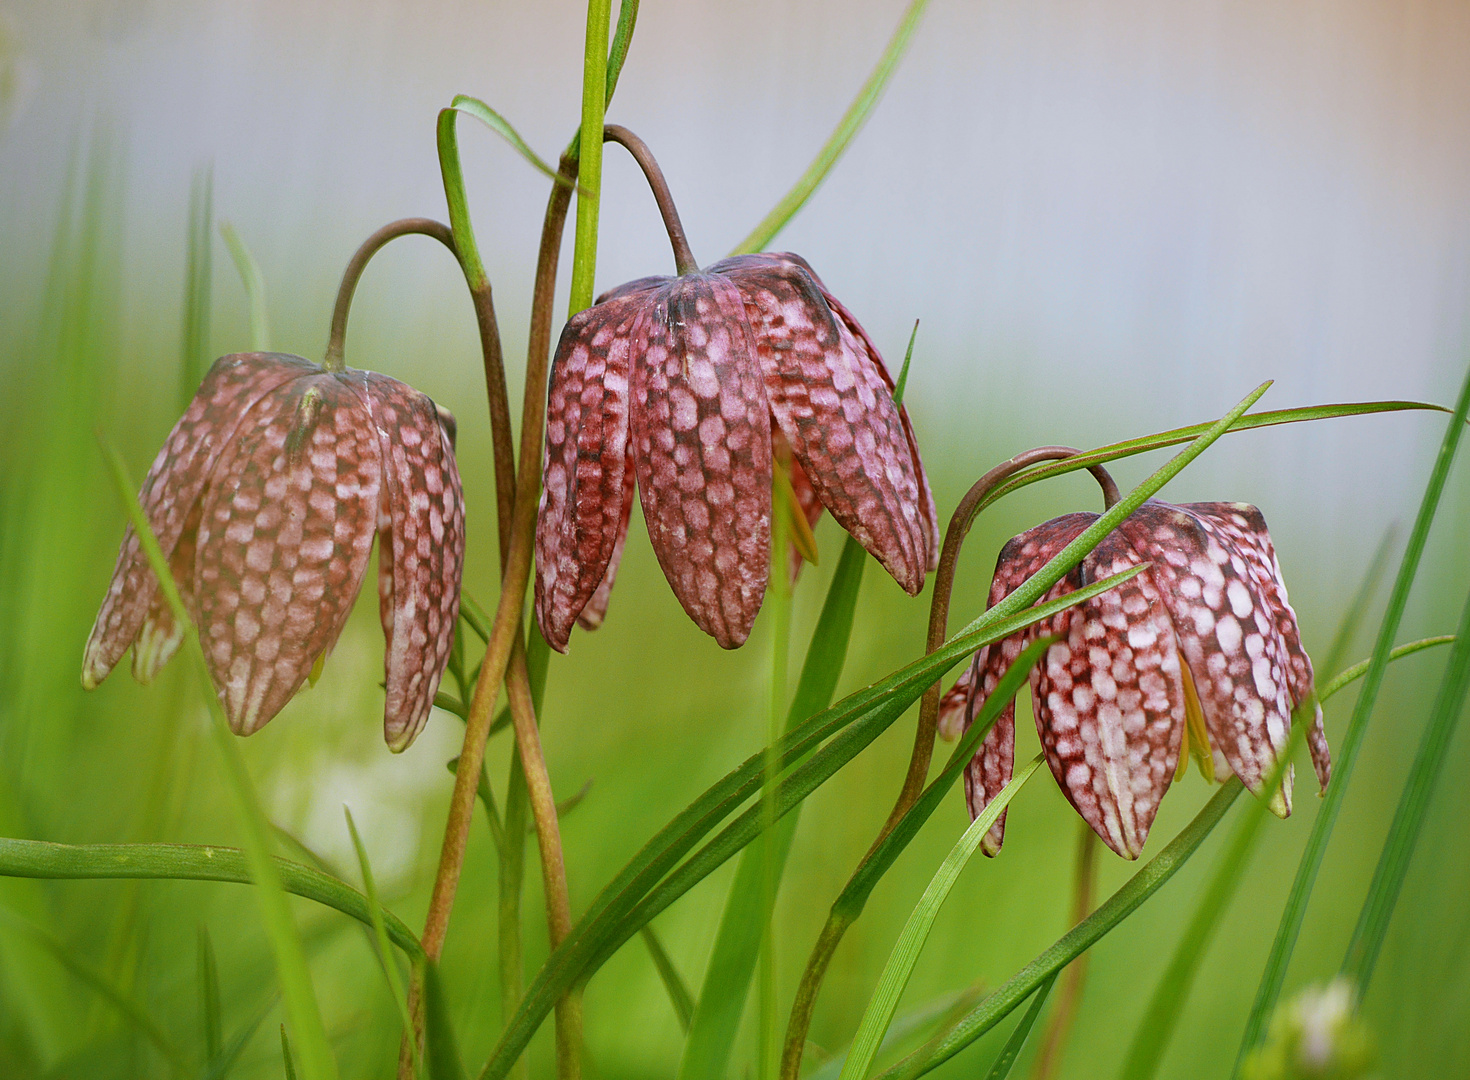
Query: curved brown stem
x,y
918,771
358,263
683,259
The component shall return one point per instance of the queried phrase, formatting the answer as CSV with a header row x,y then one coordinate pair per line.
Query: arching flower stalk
x,y
266,497
1199,656
676,388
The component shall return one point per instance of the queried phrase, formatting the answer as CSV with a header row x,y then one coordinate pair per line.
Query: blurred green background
x,y
1111,219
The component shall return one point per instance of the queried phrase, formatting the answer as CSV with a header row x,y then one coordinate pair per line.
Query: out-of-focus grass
x,y
647,708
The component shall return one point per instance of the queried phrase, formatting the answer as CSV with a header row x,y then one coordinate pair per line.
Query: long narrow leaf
x,y
209,1005
197,285
1347,753
1142,885
1012,1049
952,1005
716,1018
851,123
440,1046
254,282
895,978
596,933
679,996
220,1067
190,862
501,126
1408,819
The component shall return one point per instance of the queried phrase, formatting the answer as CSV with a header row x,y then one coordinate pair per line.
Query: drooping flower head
x,y
1197,655
265,498
678,386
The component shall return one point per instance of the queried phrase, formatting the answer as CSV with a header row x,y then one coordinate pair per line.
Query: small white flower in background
x,y
1317,1035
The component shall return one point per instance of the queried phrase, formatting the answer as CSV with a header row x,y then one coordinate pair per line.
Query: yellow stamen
x,y
1198,735
801,531
316,670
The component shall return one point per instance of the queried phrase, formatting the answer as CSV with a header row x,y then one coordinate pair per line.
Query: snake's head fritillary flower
x,y
265,498
1197,655
677,387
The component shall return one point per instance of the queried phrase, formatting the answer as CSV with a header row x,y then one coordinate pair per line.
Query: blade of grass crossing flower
x,y
884,1002
254,282
1346,754
847,128
302,1009
732,960
440,1046
380,932
1161,440
1153,1033
679,996
859,719
125,1007
1140,887
1012,1049
1408,818
210,1021
198,279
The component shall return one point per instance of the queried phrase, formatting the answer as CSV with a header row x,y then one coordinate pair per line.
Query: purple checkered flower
x,y
265,498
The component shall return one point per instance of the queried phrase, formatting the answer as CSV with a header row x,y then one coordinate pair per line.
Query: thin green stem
x,y
594,104
1347,754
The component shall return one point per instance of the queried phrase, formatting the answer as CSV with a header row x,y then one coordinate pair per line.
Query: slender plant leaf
x,y
617,54
501,126
1357,608
732,960
220,1067
1408,819
99,984
290,1066
1358,670
895,978
254,282
384,951
441,1047
847,128
605,925
901,384
209,1007
589,167
197,285
679,996
1143,444
953,1004
1012,1049
190,862
1346,755
1162,1015
1142,885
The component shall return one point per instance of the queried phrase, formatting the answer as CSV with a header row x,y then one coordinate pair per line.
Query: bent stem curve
x,y
683,258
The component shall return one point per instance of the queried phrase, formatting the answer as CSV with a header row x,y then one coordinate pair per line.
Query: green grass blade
x,y
947,1006
895,978
1137,889
190,862
679,996
1408,819
1346,754
1175,436
197,285
476,108
384,950
220,1067
295,978
99,984
1352,619
254,282
589,169
847,128
210,1018
1358,670
440,1046
1006,1060
290,1066
737,942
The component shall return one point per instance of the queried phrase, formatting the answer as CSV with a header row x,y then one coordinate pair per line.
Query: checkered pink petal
x,y
169,495
421,537
596,609
585,490
701,434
